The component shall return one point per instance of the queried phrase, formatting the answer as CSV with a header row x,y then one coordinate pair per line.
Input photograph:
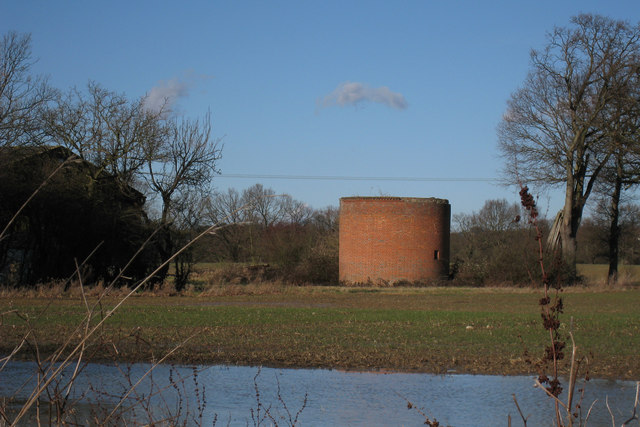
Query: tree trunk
x,y
571,217
165,250
614,228
164,243
569,242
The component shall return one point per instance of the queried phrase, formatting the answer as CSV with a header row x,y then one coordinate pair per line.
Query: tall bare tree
x,y
554,131
22,96
184,163
114,133
622,172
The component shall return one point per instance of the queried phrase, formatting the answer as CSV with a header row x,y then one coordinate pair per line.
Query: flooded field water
x,y
333,397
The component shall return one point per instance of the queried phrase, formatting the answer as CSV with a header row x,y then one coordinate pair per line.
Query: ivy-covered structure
x,y
80,219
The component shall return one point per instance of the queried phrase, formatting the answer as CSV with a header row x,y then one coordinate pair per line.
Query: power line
x,y
356,178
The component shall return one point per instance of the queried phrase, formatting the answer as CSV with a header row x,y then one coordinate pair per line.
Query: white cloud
x,y
354,93
166,93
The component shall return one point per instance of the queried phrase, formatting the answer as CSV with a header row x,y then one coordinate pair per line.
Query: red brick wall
x,y
390,239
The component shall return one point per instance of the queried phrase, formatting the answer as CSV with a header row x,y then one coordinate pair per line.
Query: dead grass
x,y
596,275
56,290
252,289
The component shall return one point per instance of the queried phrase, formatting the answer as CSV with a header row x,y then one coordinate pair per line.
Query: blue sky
x,y
319,89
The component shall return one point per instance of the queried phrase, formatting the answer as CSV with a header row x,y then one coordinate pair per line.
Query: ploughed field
x,y
436,330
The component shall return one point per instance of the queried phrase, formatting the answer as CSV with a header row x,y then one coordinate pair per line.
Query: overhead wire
x,y
358,178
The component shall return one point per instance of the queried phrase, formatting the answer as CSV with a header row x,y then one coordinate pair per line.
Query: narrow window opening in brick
x,y
436,254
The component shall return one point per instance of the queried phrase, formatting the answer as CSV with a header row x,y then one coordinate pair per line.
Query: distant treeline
x,y
497,246
258,226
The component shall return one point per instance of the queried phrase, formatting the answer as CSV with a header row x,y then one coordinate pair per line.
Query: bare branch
x,y
22,96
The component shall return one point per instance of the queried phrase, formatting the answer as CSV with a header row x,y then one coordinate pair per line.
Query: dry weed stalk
x,y
550,312
146,374
566,413
634,415
264,414
428,419
151,406
524,419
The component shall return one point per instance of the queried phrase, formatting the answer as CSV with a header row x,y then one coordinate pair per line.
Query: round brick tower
x,y
384,240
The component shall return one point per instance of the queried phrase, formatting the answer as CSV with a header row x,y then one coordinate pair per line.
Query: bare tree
x,y
22,96
68,122
495,215
616,214
185,161
183,164
188,222
327,219
492,245
264,205
115,134
294,211
129,135
228,209
554,131
595,232
622,172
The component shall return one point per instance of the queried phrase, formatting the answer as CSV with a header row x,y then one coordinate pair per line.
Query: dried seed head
x,y
529,203
554,387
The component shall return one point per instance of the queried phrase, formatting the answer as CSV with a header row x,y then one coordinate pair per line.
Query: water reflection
x,y
335,397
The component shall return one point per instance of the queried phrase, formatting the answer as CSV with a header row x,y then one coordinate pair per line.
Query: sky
x,y
319,99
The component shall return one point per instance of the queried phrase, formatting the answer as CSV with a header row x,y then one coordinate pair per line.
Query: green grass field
x,y
474,330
